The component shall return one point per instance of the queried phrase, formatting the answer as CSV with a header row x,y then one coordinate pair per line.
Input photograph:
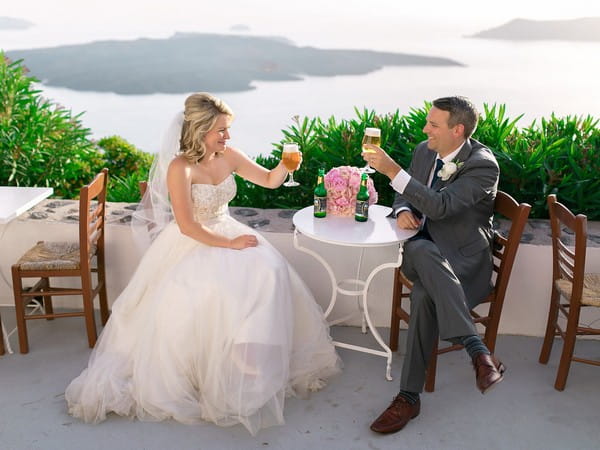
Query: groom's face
x,y
440,137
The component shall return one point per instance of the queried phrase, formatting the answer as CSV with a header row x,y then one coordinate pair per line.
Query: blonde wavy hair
x,y
199,117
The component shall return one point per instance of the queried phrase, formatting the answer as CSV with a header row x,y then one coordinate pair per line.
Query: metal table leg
x,y
363,292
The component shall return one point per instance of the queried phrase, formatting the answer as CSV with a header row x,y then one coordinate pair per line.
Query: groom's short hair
x,y
461,111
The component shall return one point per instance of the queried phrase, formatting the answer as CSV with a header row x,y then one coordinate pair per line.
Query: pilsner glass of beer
x,y
372,136
291,160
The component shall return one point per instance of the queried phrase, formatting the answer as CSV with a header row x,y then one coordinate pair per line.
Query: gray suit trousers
x,y
438,306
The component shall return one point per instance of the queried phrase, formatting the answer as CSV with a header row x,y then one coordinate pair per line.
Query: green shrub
x,y
329,144
125,188
121,157
556,155
127,166
41,144
44,144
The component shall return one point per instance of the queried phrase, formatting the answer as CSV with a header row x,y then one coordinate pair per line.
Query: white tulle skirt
x,y
207,333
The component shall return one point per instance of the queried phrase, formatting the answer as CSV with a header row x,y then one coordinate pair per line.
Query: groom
x,y
447,194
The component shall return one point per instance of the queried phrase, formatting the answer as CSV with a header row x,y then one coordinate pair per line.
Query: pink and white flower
x,y
342,184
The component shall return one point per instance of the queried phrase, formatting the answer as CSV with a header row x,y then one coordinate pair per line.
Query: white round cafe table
x,y
14,201
378,231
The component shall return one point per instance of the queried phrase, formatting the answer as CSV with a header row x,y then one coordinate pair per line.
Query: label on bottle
x,y
320,205
362,209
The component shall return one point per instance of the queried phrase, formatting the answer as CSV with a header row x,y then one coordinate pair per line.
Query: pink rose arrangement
x,y
342,185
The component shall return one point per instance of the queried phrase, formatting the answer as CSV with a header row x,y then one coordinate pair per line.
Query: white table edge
x,y
44,193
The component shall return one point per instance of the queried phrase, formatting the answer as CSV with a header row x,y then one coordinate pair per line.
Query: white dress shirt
x,y
401,180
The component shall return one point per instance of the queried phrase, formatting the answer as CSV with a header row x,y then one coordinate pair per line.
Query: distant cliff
x,y
190,62
586,29
10,23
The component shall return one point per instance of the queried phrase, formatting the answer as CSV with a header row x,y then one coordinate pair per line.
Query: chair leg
x,y
88,310
550,327
491,332
490,342
431,369
104,311
395,318
47,301
2,349
101,273
568,349
20,311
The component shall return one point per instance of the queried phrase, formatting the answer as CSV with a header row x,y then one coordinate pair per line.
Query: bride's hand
x,y
244,241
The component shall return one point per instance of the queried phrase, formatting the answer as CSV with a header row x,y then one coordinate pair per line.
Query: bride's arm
x,y
179,182
255,173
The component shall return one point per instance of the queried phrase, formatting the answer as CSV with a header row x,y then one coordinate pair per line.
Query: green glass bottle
x,y
362,200
320,195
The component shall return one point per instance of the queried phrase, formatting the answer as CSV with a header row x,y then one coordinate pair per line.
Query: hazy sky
x,y
519,74
280,14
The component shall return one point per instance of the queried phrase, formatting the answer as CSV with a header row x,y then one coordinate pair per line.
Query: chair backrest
x,y
504,254
566,263
92,219
143,187
505,247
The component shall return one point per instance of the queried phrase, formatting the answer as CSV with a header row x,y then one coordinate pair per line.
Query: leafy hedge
x,y
553,156
127,166
41,144
44,144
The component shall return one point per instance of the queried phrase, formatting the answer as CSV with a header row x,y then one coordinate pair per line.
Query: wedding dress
x,y
207,333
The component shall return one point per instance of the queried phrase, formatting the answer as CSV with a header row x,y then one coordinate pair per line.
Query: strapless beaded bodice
x,y
212,200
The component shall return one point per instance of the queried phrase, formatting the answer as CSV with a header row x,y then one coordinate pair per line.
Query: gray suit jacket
x,y
459,212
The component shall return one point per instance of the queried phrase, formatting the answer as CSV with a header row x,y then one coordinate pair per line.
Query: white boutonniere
x,y
448,169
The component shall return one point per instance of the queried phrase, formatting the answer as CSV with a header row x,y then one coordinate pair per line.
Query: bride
x,y
215,325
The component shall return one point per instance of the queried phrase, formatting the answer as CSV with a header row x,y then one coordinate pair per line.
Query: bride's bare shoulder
x,y
180,165
179,162
235,154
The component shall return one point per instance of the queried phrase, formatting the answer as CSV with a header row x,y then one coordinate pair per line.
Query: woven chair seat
x,y
591,289
52,256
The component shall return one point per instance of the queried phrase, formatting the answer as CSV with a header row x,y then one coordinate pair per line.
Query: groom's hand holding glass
x,y
380,161
383,163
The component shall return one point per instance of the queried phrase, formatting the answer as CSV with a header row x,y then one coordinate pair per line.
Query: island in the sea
x,y
12,23
585,29
188,62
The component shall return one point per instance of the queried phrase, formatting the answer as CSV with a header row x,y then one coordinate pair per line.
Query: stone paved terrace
x,y
523,412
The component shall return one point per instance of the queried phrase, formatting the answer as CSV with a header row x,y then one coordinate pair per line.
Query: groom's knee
x,y
418,254
421,304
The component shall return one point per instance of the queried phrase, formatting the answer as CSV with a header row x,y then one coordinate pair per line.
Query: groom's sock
x,y
474,345
411,397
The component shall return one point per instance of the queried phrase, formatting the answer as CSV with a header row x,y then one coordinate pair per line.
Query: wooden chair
x,y
569,281
2,349
505,250
143,185
67,259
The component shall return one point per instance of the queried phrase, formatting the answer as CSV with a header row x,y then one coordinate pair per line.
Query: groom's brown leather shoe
x,y
488,370
396,416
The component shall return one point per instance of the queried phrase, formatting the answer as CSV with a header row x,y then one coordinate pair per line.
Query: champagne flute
x,y
291,160
372,136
